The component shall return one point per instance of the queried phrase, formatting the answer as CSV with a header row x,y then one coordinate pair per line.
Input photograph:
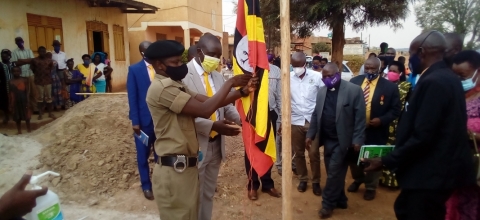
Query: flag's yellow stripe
x,y
245,100
255,29
262,107
254,26
270,149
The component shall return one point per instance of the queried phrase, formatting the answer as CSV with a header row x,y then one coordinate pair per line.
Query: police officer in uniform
x,y
174,107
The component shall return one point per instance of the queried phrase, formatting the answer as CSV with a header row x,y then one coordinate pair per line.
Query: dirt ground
x,y
90,189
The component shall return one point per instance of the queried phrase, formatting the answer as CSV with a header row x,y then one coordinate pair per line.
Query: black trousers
x,y
254,181
421,204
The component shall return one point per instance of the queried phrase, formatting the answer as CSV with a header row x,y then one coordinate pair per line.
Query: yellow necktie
x,y
210,94
151,72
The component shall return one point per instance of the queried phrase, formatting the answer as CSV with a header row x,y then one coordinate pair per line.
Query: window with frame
x,y
161,36
43,30
179,40
119,42
97,37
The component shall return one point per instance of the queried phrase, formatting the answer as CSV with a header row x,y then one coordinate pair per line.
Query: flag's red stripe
x,y
258,54
258,159
241,18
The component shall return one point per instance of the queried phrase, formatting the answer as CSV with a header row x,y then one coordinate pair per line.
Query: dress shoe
x,y
302,187
148,194
252,195
272,192
317,190
369,195
342,206
325,213
354,187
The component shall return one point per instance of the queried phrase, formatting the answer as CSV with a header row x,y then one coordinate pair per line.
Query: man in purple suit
x,y
139,78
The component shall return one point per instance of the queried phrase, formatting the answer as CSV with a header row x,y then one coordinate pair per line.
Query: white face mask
x,y
299,71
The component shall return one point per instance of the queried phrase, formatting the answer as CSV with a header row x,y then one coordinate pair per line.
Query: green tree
x,y
458,16
335,14
321,47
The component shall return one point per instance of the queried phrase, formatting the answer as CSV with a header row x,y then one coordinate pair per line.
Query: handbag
x,y
476,157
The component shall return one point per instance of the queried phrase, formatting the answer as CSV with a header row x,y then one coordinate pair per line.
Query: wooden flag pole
x,y
287,207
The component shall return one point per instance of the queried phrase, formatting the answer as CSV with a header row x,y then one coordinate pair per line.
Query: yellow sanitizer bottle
x,y
48,206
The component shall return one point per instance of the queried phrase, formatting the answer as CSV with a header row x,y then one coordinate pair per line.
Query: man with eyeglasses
x,y
338,123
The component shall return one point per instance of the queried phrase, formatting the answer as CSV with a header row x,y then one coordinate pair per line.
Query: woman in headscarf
x,y
57,86
90,75
396,74
73,79
464,204
99,62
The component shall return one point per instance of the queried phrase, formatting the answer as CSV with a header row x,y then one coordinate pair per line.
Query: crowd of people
x,y
30,85
430,115
327,111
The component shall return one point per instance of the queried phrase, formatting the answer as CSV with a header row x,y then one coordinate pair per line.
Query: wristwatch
x,y
242,93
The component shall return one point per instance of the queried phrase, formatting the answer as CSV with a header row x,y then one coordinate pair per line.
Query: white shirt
x,y
61,59
100,68
304,95
200,72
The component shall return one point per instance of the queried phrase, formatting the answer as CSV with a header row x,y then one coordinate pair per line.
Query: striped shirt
x,y
23,54
8,76
274,90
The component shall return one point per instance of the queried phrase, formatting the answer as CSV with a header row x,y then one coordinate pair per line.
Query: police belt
x,y
178,162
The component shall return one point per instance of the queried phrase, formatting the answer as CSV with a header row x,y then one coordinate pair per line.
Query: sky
x,y
400,38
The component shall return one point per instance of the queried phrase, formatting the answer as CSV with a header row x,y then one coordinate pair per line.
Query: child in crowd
x,y
18,98
108,73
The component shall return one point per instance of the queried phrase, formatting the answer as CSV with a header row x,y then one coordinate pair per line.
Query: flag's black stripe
x,y
253,10
252,113
262,145
237,37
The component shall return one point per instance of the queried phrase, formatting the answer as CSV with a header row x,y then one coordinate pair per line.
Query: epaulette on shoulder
x,y
167,82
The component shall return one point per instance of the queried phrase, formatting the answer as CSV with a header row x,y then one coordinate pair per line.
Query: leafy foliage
x,y
334,14
321,47
185,56
308,15
355,62
458,16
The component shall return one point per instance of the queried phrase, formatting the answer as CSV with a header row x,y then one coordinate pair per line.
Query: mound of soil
x,y
92,147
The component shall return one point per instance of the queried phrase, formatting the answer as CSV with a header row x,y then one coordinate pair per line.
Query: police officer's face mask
x,y
176,73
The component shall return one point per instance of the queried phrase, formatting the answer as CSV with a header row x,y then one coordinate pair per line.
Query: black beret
x,y
164,49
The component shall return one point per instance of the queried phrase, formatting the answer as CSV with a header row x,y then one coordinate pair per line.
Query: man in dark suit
x,y
382,107
139,78
338,122
431,156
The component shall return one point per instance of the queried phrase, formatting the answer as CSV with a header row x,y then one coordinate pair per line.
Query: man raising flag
x,y
250,58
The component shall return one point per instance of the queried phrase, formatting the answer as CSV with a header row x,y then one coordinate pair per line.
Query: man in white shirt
x,y
228,72
304,85
60,57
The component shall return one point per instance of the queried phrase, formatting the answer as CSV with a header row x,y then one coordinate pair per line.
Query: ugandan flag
x,y
250,57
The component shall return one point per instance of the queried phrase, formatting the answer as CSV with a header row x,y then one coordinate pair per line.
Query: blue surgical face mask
x,y
86,62
469,84
315,66
372,76
56,48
